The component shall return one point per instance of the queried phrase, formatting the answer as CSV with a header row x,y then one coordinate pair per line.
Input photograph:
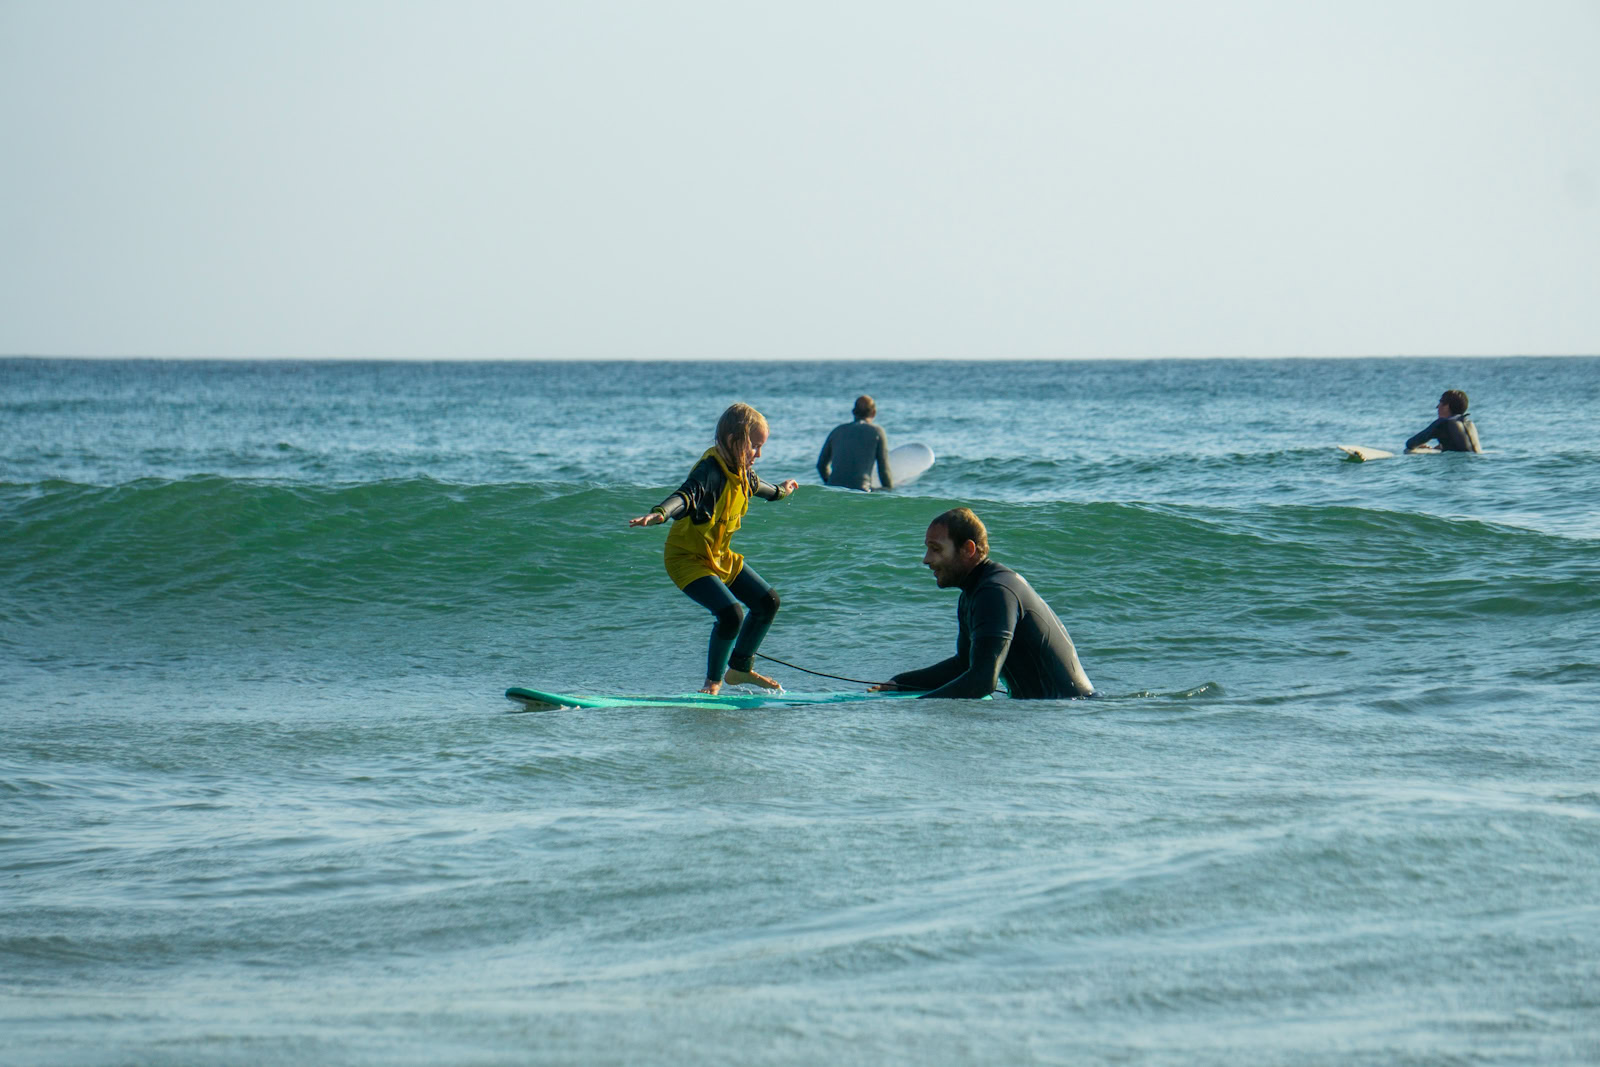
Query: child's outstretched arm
x,y
669,508
768,491
697,495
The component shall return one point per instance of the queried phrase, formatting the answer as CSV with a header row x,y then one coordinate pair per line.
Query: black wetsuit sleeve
x,y
697,496
825,458
995,612
883,460
945,670
982,675
766,490
1432,433
932,677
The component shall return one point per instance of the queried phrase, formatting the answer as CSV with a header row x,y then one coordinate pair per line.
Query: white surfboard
x,y
1360,454
906,464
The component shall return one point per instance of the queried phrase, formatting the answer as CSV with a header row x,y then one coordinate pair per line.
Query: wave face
x,y
200,562
258,782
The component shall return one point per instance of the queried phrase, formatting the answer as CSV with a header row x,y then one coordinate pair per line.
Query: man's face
x,y
949,564
1444,408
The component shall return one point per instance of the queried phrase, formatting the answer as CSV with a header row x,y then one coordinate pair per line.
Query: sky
x,y
868,179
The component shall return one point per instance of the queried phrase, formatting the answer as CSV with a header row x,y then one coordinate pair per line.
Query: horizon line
x,y
784,359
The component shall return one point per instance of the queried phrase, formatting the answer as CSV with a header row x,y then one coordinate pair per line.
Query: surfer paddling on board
x,y
709,507
852,448
1452,429
1006,630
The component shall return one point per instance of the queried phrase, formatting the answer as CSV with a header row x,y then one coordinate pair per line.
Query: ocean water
x,y
262,799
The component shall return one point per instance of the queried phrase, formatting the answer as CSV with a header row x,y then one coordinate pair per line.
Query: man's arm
x,y
825,458
982,675
945,670
1430,434
931,677
994,619
883,460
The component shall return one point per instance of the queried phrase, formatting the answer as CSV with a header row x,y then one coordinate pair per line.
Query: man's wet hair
x,y
1456,400
865,407
963,526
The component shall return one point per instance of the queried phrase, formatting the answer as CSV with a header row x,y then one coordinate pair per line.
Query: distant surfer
x,y
709,507
1006,630
852,448
1452,429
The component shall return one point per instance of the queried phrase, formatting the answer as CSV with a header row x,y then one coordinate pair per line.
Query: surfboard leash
x,y
819,674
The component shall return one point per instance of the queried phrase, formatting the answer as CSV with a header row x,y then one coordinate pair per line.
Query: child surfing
x,y
708,507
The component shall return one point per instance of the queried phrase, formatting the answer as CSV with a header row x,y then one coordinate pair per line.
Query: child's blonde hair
x,y
734,431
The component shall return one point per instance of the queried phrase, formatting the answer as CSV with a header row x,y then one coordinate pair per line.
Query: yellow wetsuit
x,y
707,508
699,542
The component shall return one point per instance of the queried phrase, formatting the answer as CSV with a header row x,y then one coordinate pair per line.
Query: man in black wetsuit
x,y
1452,429
852,448
1006,631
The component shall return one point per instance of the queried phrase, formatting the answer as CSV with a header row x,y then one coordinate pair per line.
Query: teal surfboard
x,y
538,700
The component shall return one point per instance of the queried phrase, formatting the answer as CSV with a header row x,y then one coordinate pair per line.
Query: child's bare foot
x,y
750,678
711,688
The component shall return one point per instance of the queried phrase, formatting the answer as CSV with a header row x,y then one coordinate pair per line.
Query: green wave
x,y
421,542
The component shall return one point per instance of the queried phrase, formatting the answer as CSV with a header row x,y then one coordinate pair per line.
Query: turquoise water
x,y
261,798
